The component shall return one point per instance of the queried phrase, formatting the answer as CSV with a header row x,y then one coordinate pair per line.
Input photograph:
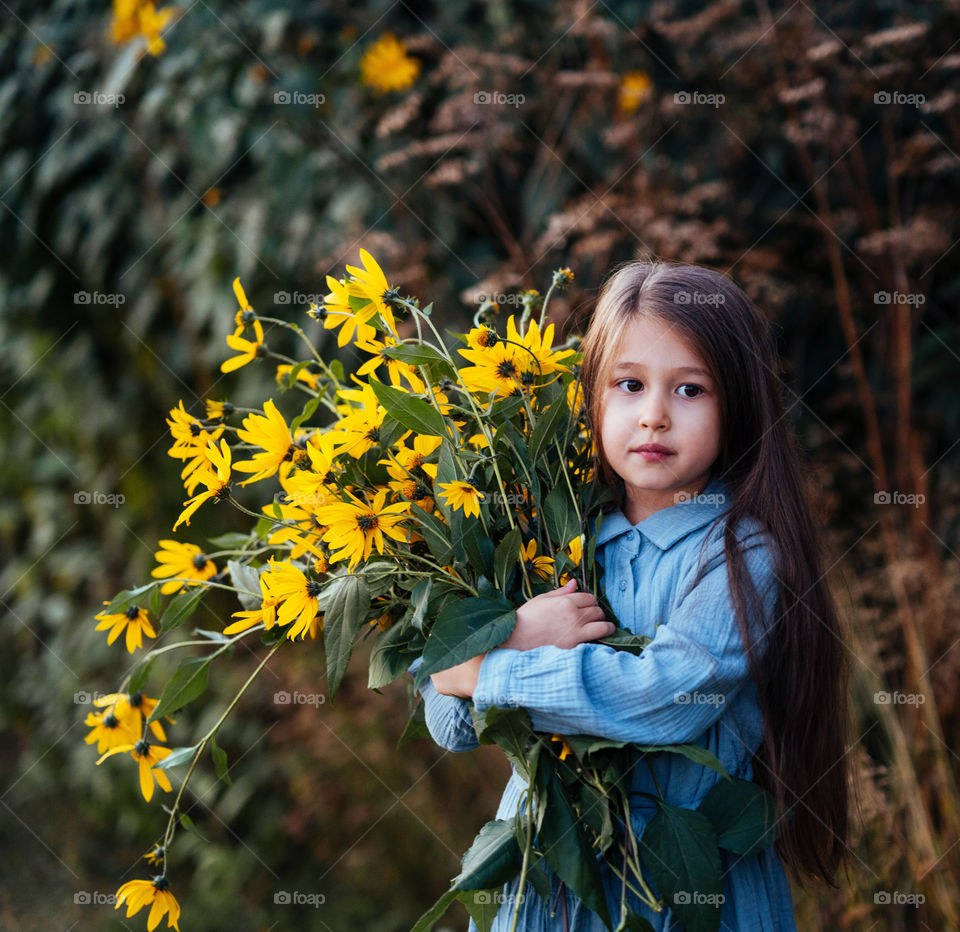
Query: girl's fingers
x,y
597,629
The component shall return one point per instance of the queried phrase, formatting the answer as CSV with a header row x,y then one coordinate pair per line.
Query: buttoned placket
x,y
627,547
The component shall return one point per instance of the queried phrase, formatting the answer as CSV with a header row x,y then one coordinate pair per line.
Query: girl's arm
x,y
448,717
669,694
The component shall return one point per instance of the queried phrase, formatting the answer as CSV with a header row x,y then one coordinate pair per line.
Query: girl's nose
x,y
654,417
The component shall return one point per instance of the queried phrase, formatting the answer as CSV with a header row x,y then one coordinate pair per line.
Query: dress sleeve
x,y
448,717
669,694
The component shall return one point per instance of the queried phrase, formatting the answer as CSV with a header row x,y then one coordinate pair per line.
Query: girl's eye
x,y
697,390
630,386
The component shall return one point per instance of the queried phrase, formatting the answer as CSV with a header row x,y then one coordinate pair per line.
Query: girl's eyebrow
x,y
692,370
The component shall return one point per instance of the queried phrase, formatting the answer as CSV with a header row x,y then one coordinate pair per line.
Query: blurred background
x,y
148,155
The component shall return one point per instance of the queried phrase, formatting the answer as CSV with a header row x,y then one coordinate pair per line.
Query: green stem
x,y
527,847
171,822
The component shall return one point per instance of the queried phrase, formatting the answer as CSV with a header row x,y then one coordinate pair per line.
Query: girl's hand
x,y
460,680
561,618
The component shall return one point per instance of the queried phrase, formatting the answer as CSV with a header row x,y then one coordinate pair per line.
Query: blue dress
x,y
690,684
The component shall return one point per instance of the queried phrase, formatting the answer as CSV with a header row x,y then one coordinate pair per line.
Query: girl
x,y
712,552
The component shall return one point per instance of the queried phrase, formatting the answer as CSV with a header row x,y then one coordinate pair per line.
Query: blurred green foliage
x,y
800,182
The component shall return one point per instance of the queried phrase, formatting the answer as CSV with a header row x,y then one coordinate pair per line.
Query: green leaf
x,y
218,637
560,516
176,757
694,752
389,658
416,726
505,559
153,603
633,923
247,580
434,532
624,639
220,760
413,413
415,354
181,607
482,905
512,731
139,675
188,824
436,912
419,600
564,844
478,548
346,605
308,411
742,814
466,628
548,426
683,857
187,683
493,858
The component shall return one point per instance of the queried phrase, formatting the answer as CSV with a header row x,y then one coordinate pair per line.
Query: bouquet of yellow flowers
x,y
419,502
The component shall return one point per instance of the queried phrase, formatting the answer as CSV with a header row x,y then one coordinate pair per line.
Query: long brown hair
x,y
802,676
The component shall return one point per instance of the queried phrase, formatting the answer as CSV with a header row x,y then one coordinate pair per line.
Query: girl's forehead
x,y
652,342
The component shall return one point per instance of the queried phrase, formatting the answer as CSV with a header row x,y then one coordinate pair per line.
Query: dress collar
x,y
666,526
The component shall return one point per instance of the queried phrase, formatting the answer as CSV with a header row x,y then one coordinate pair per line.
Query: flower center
x,y
141,748
507,369
314,588
367,523
132,612
200,561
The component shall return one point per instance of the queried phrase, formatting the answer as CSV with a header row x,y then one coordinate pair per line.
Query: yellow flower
x,y
355,527
496,369
147,756
463,495
542,566
341,312
132,18
217,482
137,893
396,369
374,287
154,856
268,430
385,65
405,463
265,615
480,338
359,426
565,750
304,375
537,355
635,88
248,349
109,731
134,619
217,411
295,595
246,314
132,710
183,561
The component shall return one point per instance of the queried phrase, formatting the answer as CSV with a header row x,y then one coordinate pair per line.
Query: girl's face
x,y
659,393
